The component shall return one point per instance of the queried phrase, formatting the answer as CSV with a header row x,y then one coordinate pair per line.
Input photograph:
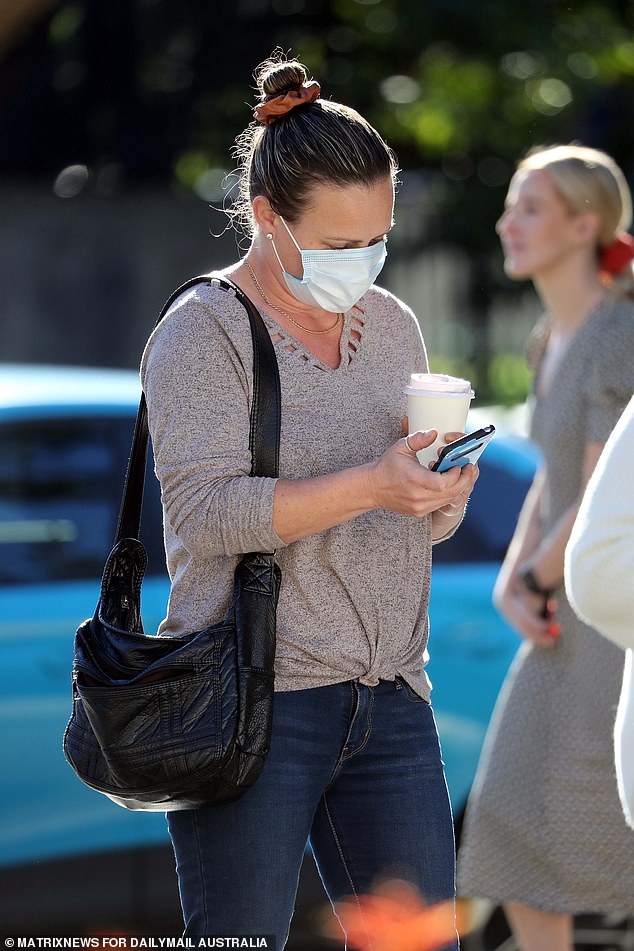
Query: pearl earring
x,y
270,236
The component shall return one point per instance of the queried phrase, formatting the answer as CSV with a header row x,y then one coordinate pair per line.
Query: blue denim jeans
x,y
354,769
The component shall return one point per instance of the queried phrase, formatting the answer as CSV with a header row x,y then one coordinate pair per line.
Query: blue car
x,y
64,439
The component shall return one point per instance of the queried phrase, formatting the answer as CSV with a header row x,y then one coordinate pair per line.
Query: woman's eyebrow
x,y
348,240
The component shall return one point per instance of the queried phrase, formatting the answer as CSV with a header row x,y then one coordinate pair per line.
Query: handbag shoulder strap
x,y
264,435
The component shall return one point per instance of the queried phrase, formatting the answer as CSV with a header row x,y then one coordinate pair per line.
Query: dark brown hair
x,y
313,143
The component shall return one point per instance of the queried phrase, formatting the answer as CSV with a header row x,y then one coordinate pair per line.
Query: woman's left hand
x,y
457,505
532,615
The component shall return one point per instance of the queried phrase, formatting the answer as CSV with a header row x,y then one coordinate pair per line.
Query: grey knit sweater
x,y
353,601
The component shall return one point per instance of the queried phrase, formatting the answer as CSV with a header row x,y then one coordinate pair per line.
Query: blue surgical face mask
x,y
334,279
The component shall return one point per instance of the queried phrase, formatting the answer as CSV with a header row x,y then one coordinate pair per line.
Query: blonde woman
x,y
544,834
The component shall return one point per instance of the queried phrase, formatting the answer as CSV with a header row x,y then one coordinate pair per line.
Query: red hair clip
x,y
267,112
617,255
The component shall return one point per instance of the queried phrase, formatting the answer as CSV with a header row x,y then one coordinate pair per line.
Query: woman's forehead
x,y
526,178
346,206
531,182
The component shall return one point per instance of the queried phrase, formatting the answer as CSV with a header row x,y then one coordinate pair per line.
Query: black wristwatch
x,y
531,583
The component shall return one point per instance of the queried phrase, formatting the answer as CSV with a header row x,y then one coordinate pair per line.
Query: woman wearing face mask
x,y
544,832
354,763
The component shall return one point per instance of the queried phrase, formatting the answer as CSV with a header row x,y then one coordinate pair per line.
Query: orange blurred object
x,y
394,918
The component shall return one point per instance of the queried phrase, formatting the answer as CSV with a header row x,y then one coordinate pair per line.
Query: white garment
x,y
624,740
599,573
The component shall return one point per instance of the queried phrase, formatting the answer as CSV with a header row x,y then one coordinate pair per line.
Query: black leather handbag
x,y
167,723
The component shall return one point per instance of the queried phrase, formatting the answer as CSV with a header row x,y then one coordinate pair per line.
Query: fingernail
x,y
554,630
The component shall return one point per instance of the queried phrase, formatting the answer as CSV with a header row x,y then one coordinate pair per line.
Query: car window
x,y
487,528
60,488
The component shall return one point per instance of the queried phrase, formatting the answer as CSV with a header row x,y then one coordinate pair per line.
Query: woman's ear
x,y
587,227
264,215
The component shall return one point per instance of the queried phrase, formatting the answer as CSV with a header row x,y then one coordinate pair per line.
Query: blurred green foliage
x,y
504,378
141,90
124,93
461,87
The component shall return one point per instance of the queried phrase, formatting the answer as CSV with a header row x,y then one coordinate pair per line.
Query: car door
x,y
60,484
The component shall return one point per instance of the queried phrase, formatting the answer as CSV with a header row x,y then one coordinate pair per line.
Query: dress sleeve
x,y
196,374
610,380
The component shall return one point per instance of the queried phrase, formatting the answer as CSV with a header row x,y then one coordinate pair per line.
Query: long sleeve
x,y
599,563
198,387
600,554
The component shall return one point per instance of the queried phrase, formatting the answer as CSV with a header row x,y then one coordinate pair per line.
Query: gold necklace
x,y
286,314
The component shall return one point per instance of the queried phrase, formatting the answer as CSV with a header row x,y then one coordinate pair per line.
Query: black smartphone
x,y
468,448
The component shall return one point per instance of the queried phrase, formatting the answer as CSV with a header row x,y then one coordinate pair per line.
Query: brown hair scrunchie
x,y
267,112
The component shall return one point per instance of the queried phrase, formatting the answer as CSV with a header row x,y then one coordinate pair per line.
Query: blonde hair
x,y
590,180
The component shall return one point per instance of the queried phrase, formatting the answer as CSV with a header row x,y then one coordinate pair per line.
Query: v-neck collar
x,y
571,346
350,340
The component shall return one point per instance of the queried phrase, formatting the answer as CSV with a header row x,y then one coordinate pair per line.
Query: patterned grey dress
x,y
544,825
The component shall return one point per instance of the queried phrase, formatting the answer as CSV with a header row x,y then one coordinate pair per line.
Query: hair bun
x,y
275,77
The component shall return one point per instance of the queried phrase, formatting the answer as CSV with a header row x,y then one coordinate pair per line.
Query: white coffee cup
x,y
437,401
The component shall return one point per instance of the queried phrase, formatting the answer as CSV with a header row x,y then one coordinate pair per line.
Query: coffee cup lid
x,y
438,384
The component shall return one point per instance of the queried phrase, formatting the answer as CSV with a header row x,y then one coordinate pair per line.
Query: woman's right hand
x,y
395,481
398,482
524,612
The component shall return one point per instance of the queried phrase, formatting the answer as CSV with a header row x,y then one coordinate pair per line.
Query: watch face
x,y
530,582
527,579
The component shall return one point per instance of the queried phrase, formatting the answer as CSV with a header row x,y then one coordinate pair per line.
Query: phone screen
x,y
467,449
